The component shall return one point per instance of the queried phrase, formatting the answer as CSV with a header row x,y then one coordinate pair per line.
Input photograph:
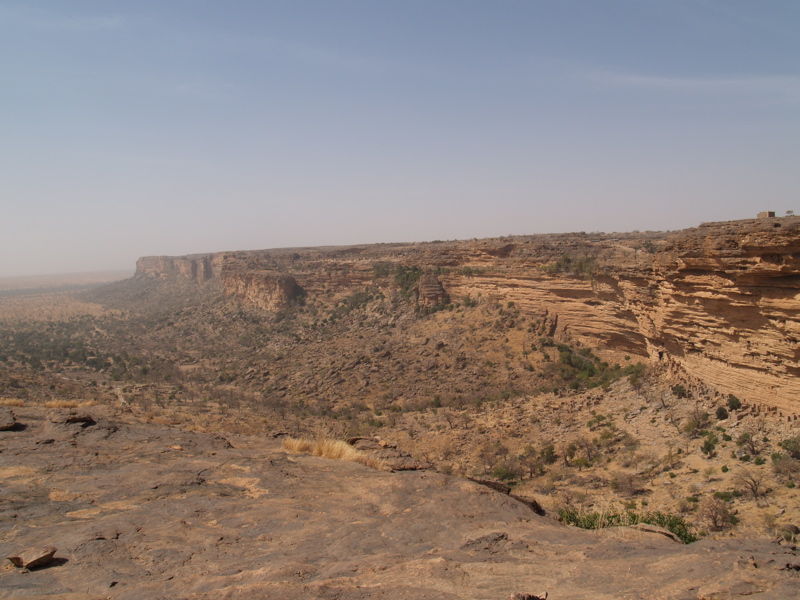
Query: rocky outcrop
x,y
196,267
265,290
430,290
154,512
723,305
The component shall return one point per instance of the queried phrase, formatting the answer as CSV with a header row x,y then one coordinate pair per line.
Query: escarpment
x,y
196,267
718,302
727,308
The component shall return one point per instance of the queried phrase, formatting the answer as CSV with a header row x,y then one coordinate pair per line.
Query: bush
x,y
708,448
722,413
734,403
697,422
548,454
792,446
584,520
503,473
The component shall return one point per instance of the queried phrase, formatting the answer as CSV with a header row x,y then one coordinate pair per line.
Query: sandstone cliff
x,y
266,290
196,267
718,302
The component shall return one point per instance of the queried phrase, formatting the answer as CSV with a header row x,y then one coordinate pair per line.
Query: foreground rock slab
x,y
151,512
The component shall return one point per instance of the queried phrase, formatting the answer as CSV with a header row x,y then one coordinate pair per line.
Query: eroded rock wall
x,y
720,301
263,289
197,267
726,307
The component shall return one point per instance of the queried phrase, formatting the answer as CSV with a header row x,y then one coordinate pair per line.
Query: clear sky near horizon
x,y
153,127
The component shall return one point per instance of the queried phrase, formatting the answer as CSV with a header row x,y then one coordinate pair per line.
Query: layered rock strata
x,y
719,302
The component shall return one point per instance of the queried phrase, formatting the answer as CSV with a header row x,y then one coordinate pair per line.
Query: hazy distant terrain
x,y
12,286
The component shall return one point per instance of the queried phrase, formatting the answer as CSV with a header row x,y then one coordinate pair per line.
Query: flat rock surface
x,y
147,512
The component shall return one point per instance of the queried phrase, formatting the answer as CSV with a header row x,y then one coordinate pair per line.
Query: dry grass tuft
x,y
335,449
11,402
68,403
298,446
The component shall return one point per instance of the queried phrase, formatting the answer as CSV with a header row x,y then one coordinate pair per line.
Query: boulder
x,y
72,416
33,557
789,527
7,419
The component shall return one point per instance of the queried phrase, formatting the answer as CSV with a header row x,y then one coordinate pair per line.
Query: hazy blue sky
x,y
174,127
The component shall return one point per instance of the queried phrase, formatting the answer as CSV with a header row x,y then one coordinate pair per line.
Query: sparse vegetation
x,y
333,449
601,520
558,417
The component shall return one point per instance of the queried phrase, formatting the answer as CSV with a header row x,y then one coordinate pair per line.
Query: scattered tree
x,y
750,440
679,391
734,403
752,482
716,513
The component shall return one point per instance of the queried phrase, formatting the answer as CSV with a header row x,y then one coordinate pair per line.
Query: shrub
x,y
626,484
708,448
594,520
696,423
548,454
792,446
785,467
503,473
734,403
722,413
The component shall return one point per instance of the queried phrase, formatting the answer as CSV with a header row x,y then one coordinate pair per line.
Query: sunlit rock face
x,y
265,290
719,301
196,267
726,308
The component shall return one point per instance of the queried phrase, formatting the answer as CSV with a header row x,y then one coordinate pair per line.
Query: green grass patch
x,y
601,520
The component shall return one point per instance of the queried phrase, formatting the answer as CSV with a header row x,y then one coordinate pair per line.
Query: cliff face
x,y
268,291
727,308
719,301
196,267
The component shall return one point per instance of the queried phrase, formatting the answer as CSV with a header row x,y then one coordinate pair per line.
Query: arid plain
x,y
551,413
